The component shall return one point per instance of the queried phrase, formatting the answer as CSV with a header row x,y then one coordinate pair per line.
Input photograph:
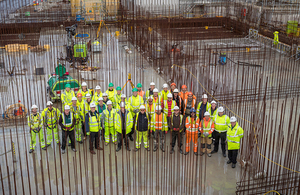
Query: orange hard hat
x,y
173,84
79,95
190,93
183,86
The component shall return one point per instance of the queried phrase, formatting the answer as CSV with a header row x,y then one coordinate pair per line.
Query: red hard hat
x,y
184,87
79,95
190,93
173,84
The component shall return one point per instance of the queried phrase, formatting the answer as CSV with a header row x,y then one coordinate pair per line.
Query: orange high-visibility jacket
x,y
192,124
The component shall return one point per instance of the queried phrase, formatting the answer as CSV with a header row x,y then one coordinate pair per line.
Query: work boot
x,y
224,154
186,153
172,151
74,150
81,142
118,149
195,153
214,151
48,145
233,165
155,148
63,151
201,153
44,148
69,144
56,142
127,148
131,138
31,150
181,152
148,149
92,152
229,161
209,154
162,148
99,148
136,149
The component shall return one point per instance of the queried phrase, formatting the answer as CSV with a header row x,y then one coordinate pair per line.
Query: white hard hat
x,y
175,91
165,85
104,94
204,96
155,90
84,84
98,87
232,119
88,95
67,107
158,107
206,114
34,106
49,103
213,102
142,107
92,105
100,98
74,99
150,97
123,96
169,95
152,83
176,108
122,104
220,109
109,102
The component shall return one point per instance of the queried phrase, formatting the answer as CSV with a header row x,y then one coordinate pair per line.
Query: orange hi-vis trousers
x,y
189,136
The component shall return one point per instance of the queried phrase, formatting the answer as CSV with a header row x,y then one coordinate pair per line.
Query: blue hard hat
x,y
193,110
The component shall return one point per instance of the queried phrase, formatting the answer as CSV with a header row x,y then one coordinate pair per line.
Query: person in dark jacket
x,y
176,125
142,125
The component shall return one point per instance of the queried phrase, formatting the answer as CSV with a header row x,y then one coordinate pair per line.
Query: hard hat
x,y
74,99
165,85
155,90
152,83
84,84
169,95
193,110
68,86
67,107
232,119
173,84
139,85
206,114
213,102
176,108
142,107
204,96
175,91
220,109
123,96
183,87
110,85
88,95
34,106
158,107
49,103
79,95
100,98
109,102
150,97
190,93
122,104
98,87
104,94
134,90
118,88
92,105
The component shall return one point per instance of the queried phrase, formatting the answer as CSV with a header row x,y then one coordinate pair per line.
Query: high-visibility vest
x,y
111,94
51,117
192,126
78,113
166,106
148,94
70,123
83,93
94,122
221,123
207,129
96,96
234,136
199,106
185,103
212,115
128,122
141,93
159,122
66,97
157,101
109,120
164,95
183,96
85,107
150,109
135,103
181,117
117,100
35,122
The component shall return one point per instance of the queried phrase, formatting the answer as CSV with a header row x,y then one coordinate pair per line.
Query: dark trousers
x,y
221,136
65,135
176,135
94,137
122,137
83,129
232,154
160,134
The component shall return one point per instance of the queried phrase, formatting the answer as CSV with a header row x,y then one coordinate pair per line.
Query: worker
x,y
140,91
85,110
142,126
150,108
206,128
168,107
213,109
221,122
80,103
173,86
97,94
84,90
105,98
117,97
184,93
202,107
67,123
66,96
108,118
79,118
156,98
100,107
189,103
176,125
124,125
50,116
234,135
192,127
159,127
111,92
135,101
164,93
80,100
149,92
123,99
93,125
177,98
35,124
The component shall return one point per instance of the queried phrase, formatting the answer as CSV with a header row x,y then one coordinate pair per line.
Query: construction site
x,y
243,54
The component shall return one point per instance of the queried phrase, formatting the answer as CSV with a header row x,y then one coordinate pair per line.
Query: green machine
x,y
57,82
